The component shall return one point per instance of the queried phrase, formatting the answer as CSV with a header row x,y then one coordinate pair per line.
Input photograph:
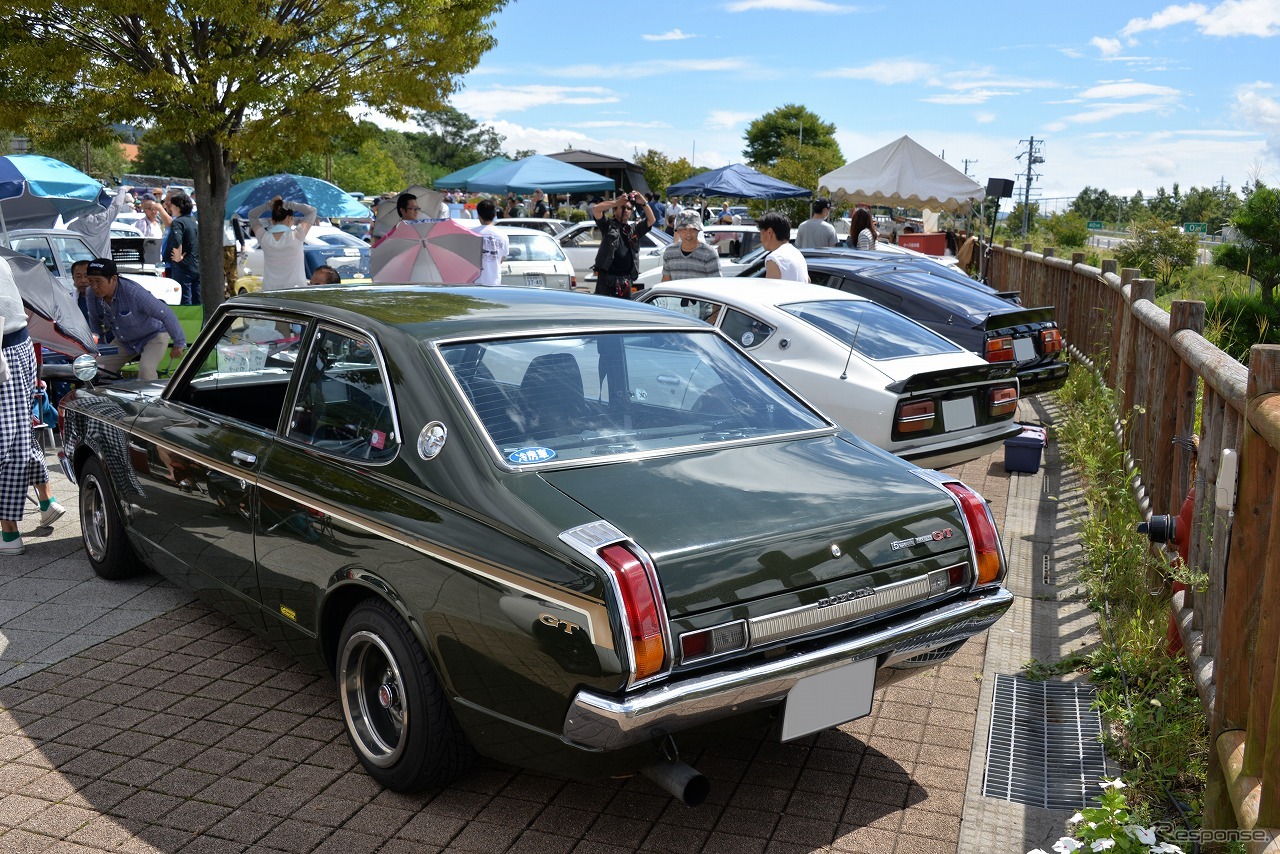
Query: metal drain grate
x,y
1043,750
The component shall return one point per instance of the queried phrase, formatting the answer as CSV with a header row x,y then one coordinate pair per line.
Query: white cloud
x,y
790,6
648,68
1242,18
1129,89
1261,112
984,118
728,118
1166,17
618,123
973,96
1107,47
1259,18
673,36
1106,112
886,72
486,103
1071,52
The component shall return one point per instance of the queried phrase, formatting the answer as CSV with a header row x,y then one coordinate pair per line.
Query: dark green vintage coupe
x,y
572,533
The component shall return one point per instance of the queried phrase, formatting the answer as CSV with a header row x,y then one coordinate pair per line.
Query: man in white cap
x,y
688,257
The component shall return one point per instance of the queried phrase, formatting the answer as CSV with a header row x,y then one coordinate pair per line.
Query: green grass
x,y
1155,726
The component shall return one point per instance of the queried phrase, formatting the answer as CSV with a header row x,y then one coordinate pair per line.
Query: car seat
x,y
551,395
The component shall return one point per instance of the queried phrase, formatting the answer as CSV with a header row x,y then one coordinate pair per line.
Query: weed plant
x,y
1155,724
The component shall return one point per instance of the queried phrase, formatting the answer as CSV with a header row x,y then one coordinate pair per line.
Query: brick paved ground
x,y
186,733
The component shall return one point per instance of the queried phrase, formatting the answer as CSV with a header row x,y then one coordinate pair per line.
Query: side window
x,y
344,405
827,280
35,247
744,330
695,308
71,250
244,370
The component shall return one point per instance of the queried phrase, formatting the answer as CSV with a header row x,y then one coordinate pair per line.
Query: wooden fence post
x,y
1189,315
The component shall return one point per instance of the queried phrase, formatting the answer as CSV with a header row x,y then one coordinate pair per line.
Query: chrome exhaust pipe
x,y
680,780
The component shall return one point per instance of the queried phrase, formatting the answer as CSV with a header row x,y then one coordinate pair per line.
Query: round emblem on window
x,y
431,440
748,338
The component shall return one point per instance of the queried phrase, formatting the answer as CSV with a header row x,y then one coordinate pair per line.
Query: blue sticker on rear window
x,y
525,456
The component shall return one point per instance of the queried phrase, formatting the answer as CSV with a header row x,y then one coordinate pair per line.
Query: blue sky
x,y
1125,95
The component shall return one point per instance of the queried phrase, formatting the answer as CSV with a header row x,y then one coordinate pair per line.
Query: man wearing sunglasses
x,y
618,259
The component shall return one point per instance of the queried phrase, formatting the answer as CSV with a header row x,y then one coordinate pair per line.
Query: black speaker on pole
x,y
999,188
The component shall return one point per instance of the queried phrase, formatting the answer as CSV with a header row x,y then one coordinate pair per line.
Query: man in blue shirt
x,y
143,326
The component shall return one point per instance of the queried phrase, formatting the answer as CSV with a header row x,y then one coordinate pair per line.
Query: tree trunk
x,y
211,170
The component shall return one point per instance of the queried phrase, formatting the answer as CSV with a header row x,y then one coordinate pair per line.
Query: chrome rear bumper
x,y
600,722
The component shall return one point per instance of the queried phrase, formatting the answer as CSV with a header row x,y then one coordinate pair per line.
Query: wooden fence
x,y
1171,382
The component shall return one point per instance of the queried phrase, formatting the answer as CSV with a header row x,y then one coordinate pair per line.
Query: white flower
x,y
1075,819
1038,851
1102,844
1117,783
1066,845
1145,835
1166,848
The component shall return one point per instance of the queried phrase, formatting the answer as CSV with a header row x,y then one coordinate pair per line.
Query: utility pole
x,y
967,161
1033,157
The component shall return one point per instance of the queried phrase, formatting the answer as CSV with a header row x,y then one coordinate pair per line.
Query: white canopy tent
x,y
902,174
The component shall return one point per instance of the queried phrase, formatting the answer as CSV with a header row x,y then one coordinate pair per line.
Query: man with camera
x,y
618,259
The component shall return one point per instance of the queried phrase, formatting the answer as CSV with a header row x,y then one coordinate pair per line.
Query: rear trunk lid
x,y
744,523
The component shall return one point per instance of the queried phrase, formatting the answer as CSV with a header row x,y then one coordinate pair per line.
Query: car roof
x,y
962,299
759,291
440,312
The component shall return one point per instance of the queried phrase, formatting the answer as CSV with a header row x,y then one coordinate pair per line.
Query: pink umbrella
x,y
431,251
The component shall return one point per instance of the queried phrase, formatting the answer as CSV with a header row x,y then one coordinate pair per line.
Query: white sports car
x,y
883,376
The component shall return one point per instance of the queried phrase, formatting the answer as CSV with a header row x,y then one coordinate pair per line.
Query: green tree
x,y
452,139
1166,206
225,79
158,156
1257,252
1100,205
105,160
371,170
782,133
660,171
1159,248
1068,230
803,171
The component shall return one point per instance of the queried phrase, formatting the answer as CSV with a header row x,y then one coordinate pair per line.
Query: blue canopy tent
x,y
739,182
537,172
458,180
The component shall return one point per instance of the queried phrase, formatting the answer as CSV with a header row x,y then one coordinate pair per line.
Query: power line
x,y
1033,158
967,161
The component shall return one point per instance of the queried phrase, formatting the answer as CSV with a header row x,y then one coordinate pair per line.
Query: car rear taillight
x,y
1000,349
573,282
1002,401
914,416
983,536
1050,341
637,586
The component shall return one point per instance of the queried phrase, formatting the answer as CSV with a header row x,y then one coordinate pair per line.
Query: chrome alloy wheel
x,y
93,518
373,698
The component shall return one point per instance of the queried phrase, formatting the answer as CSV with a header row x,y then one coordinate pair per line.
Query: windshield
x,y
571,398
337,238
533,247
870,329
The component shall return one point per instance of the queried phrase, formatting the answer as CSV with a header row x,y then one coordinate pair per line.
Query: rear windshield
x,y
533,247
872,330
559,399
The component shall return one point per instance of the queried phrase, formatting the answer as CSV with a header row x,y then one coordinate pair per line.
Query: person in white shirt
x,y
281,242
494,242
784,260
96,227
154,219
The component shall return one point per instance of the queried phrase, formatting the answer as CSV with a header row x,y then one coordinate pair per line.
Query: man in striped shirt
x,y
688,257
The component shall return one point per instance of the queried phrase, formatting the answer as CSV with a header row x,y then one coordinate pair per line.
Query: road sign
x,y
1094,223
1195,227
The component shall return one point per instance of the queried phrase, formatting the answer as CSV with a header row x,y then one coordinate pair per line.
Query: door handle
x,y
243,458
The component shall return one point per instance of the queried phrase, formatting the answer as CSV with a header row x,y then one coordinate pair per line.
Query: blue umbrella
x,y
538,172
36,190
328,200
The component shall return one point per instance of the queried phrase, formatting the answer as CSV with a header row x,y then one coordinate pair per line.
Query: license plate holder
x,y
958,414
534,280
828,699
1024,349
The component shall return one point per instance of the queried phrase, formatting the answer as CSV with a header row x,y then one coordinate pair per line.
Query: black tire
x,y
399,723
110,554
